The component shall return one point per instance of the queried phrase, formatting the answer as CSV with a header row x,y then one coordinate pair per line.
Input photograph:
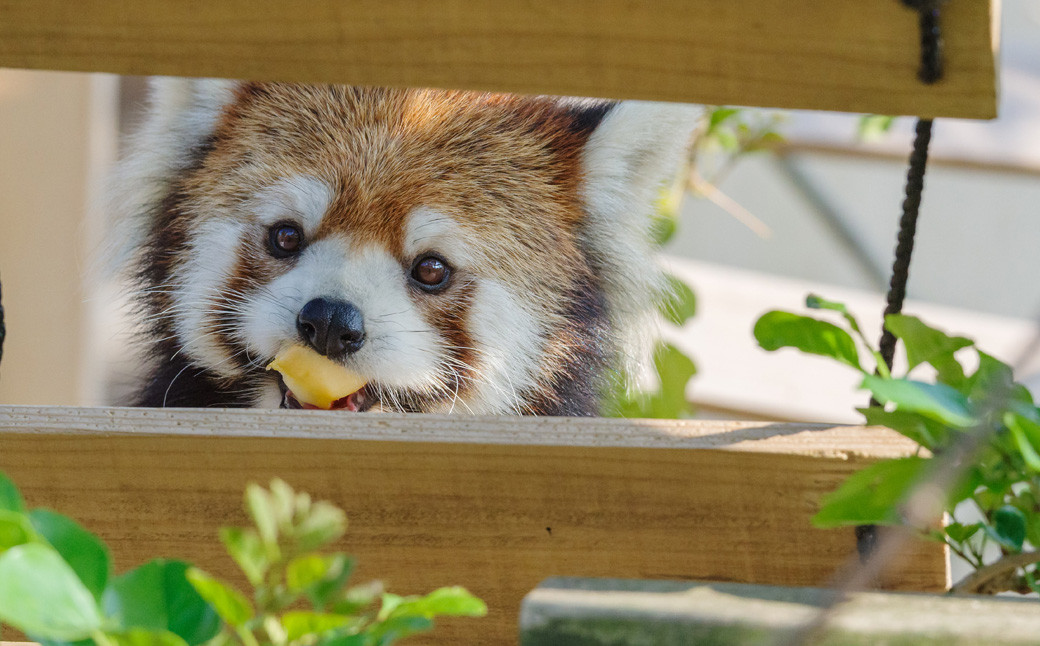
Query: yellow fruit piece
x,y
314,379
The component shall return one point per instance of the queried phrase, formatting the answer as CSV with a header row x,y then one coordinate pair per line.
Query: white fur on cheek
x,y
401,349
197,286
509,345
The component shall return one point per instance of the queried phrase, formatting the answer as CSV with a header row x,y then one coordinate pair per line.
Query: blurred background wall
x,y
57,135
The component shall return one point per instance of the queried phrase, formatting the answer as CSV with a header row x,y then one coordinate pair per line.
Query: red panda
x,y
464,252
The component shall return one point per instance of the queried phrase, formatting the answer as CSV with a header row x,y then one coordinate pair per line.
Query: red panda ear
x,y
638,145
183,111
634,152
181,114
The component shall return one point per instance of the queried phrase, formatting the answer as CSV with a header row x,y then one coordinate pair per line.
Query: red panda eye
x,y
431,273
284,240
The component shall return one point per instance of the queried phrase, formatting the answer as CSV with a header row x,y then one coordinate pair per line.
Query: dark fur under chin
x,y
177,383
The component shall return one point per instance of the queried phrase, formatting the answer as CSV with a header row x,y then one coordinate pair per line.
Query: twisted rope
x,y
3,330
928,14
907,231
930,71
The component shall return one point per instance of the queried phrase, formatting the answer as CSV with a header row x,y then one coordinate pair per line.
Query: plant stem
x,y
246,636
979,579
961,553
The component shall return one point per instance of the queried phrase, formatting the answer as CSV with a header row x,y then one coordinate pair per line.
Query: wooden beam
x,y
495,505
606,612
857,56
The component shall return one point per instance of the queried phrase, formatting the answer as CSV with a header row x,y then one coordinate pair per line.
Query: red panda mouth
x,y
356,402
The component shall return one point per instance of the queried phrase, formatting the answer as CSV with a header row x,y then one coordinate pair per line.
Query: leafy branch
x,y
55,585
1000,478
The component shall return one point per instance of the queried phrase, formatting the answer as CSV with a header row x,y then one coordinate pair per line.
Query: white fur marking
x,y
198,285
302,199
431,230
509,344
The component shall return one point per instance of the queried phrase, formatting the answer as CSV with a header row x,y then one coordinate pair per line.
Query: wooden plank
x,y
496,505
851,56
665,613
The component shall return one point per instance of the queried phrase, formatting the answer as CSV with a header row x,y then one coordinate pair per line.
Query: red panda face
x,y
446,246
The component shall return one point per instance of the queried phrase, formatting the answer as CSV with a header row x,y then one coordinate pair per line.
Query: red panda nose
x,y
333,328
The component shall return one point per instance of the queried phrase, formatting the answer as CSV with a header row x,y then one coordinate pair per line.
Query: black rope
x,y
3,330
867,535
932,65
907,230
931,71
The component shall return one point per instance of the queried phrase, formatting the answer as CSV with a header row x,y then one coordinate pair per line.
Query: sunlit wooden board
x,y
496,505
857,56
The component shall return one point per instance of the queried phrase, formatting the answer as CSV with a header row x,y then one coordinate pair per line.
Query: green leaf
x,y
969,482
361,639
872,127
1027,438
775,330
815,302
245,547
925,344
320,576
229,603
1009,527
993,378
324,524
766,141
10,498
675,370
726,138
83,551
935,401
391,630
719,115
261,510
358,597
158,597
298,623
15,529
1033,529
925,431
450,601
680,302
42,596
283,501
871,496
140,637
664,220
663,227
959,532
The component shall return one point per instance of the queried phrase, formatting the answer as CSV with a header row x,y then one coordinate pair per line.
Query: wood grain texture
x,y
857,56
496,505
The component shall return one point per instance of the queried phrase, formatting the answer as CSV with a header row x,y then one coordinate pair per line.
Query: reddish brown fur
x,y
508,169
484,158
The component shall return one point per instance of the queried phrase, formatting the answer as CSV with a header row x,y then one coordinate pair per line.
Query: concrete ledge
x,y
592,612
